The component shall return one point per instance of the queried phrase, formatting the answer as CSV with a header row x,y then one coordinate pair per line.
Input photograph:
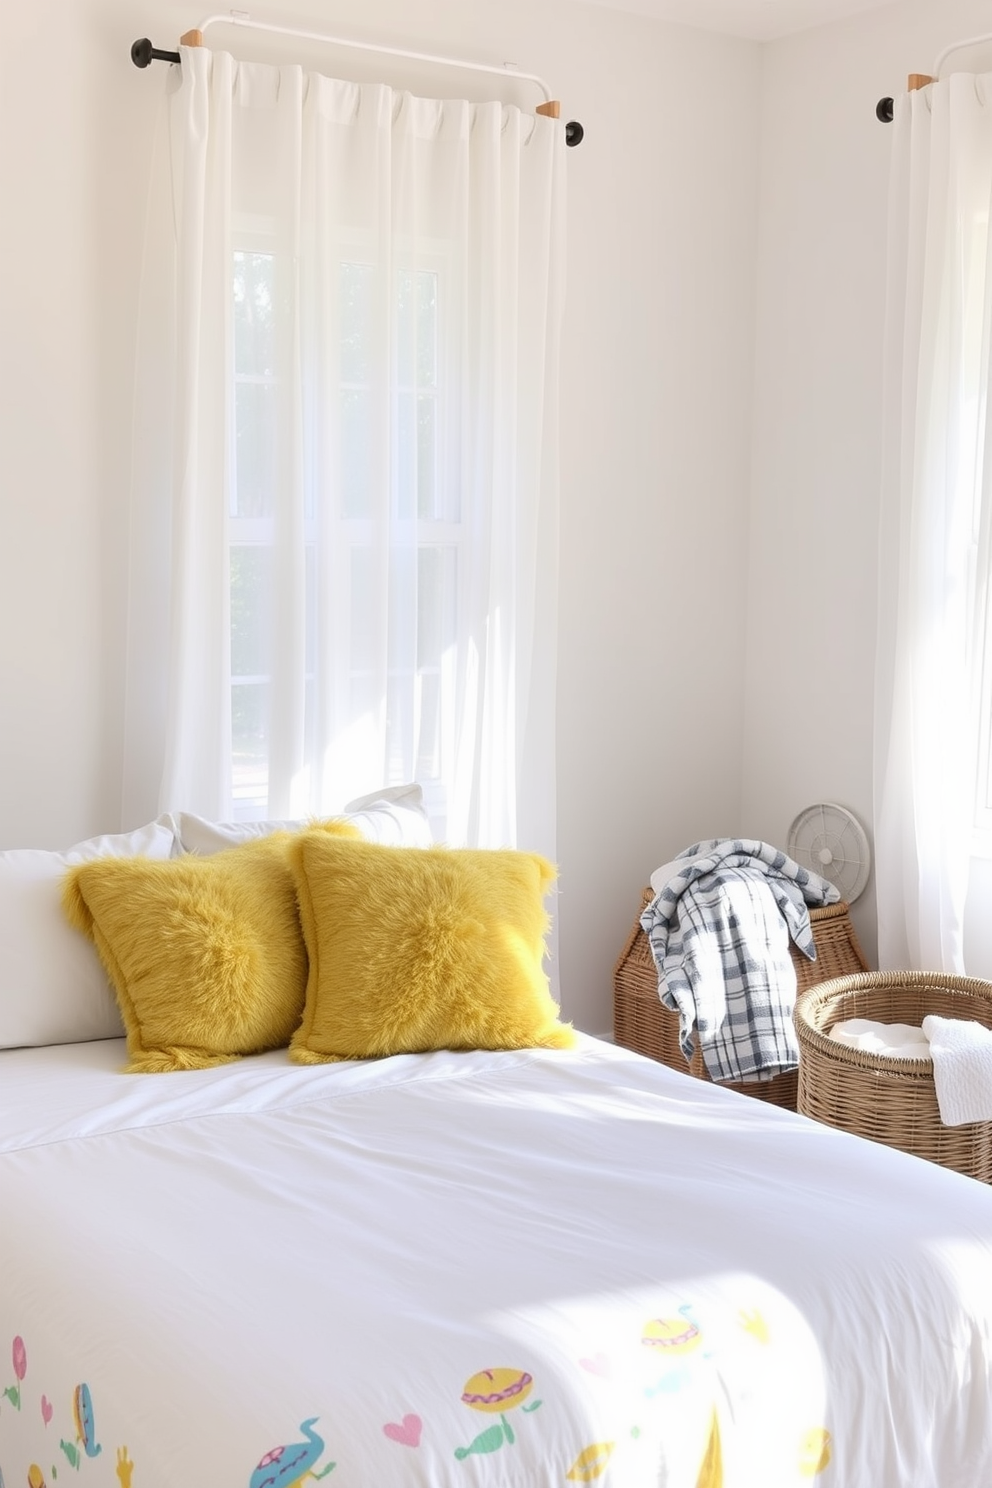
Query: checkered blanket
x,y
719,927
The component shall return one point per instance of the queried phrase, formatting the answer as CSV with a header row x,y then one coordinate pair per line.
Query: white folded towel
x,y
891,1040
961,1050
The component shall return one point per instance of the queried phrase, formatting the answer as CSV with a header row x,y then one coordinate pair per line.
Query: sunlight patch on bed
x,y
653,1367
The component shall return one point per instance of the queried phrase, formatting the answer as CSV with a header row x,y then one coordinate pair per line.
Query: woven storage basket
x,y
642,1023
887,1099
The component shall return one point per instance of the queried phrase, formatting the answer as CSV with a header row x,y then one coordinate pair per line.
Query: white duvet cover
x,y
474,1271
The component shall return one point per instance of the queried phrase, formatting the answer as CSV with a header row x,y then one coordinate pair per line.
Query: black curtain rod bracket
x,y
883,110
143,54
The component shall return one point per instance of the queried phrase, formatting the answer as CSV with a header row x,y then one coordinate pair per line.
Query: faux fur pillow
x,y
206,955
422,948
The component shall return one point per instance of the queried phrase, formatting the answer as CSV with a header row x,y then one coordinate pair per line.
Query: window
x,y
340,512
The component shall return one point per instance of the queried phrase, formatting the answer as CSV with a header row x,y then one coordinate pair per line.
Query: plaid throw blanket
x,y
719,928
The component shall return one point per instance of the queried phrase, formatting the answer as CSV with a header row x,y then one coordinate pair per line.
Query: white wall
x,y
816,460
656,416
63,410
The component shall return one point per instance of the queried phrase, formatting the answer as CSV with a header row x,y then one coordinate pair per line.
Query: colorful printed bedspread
x,y
474,1271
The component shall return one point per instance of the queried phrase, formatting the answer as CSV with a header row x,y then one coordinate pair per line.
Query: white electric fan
x,y
829,840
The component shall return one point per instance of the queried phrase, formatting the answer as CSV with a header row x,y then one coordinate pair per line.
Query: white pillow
x,y
394,815
53,989
197,834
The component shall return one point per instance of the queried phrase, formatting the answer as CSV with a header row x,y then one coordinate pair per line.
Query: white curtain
x,y
345,533
934,525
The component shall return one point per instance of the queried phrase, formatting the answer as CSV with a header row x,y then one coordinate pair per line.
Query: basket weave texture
x,y
887,1099
642,1023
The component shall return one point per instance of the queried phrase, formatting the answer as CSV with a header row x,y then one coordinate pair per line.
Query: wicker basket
x,y
888,1099
642,1023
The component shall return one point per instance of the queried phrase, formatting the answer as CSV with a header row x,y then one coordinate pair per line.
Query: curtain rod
x,y
143,53
884,107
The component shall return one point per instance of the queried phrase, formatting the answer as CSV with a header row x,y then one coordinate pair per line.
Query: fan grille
x,y
829,840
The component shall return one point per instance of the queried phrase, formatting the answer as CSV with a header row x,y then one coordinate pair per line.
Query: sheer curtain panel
x,y
344,551
934,554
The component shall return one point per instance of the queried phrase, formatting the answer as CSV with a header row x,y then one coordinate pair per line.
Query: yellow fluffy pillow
x,y
422,948
206,955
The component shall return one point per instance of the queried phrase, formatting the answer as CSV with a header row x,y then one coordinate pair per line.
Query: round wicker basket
x,y
877,1096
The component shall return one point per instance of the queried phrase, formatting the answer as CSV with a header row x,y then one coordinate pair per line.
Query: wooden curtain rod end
x,y
885,107
191,38
550,110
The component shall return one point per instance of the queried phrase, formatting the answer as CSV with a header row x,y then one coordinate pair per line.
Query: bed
x,y
473,1269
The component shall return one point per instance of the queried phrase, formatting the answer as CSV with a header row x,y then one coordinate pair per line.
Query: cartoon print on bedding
x,y
496,1391
672,1338
711,1468
75,1451
684,1364
286,1467
814,1452
591,1463
82,1414
406,1432
13,1392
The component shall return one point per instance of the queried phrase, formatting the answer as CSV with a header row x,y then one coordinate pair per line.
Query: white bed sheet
x,y
474,1269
